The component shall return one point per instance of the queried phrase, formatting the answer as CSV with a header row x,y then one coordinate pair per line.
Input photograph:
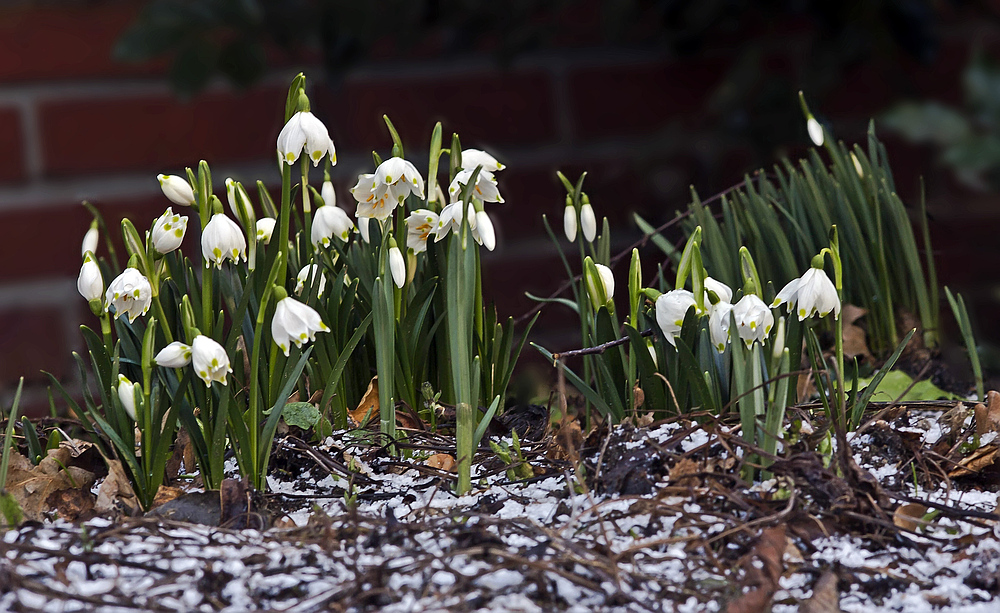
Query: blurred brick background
x,y
75,125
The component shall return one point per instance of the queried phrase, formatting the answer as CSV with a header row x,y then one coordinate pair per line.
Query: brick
x,y
11,146
154,133
493,108
41,43
613,101
33,340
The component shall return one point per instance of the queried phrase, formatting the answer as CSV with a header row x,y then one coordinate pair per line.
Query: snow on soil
x,y
411,545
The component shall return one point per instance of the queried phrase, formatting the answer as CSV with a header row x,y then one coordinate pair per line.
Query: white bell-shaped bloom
x,y
569,222
671,309
718,324
721,290
305,131
176,189
451,219
754,319
306,276
295,322
588,222
90,239
484,232
329,221
126,394
328,194
222,240
363,229
398,178
371,205
168,231
811,293
608,279
419,226
397,266
471,158
174,355
485,189
815,130
90,283
210,360
600,295
265,228
129,293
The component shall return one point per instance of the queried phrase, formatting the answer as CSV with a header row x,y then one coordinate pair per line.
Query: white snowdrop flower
x,y
174,355
485,189
305,131
301,279
754,319
484,232
90,241
397,266
671,308
126,394
363,229
328,194
569,222
222,240
176,189
329,221
721,290
718,324
451,219
370,205
857,166
419,226
168,231
210,360
811,293
90,283
295,322
471,158
815,130
265,228
588,222
608,279
398,178
129,293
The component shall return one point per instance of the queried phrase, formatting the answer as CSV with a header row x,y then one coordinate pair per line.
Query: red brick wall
x,y
75,125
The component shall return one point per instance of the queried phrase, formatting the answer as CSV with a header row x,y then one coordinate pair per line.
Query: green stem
x,y
206,300
167,334
306,210
284,217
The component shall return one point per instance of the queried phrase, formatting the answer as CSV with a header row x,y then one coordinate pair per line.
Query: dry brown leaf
x,y
115,494
368,406
976,461
31,486
763,581
684,469
855,339
909,516
71,504
441,461
988,415
825,597
568,438
165,494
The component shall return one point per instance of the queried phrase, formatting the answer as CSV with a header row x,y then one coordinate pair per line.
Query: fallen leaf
x,y
71,504
115,494
855,339
368,408
31,486
235,503
441,461
988,415
763,568
684,469
909,516
976,461
165,494
825,597
568,438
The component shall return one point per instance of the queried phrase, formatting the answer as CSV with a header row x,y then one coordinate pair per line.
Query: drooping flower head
x,y
295,322
419,226
718,324
304,131
210,360
371,206
398,178
129,293
477,157
330,221
810,294
90,240
671,309
176,189
90,283
588,221
754,319
222,240
485,188
168,231
126,394
306,275
174,355
569,221
265,228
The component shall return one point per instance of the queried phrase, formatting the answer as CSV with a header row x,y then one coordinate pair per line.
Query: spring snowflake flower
x,y
176,189
265,228
483,232
721,290
222,240
305,131
126,394
607,285
90,283
754,319
471,158
295,322
371,206
811,293
396,265
210,360
485,188
90,241
398,178
174,355
815,130
330,220
718,324
168,231
129,293
419,226
301,279
671,308
588,222
569,222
